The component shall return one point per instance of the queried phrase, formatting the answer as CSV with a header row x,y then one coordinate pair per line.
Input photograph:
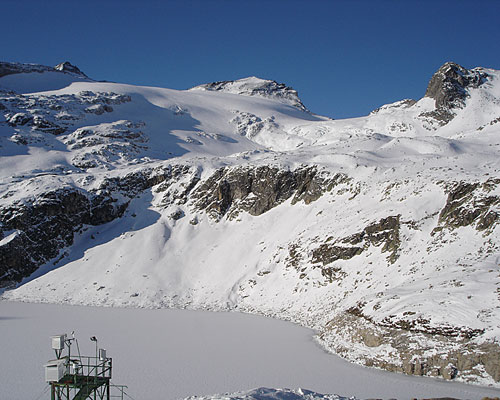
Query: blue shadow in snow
x,y
136,217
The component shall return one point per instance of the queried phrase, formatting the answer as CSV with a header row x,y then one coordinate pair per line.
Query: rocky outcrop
x,y
68,67
37,122
383,233
100,145
449,85
253,86
398,105
447,352
258,189
471,204
45,225
53,114
250,125
449,88
162,178
39,228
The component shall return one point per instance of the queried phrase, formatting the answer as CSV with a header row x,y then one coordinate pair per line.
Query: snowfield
x,y
380,232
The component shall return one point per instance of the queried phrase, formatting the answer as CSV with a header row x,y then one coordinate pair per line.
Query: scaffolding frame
x,y
81,377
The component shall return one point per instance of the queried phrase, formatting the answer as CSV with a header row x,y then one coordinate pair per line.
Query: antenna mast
x,y
82,377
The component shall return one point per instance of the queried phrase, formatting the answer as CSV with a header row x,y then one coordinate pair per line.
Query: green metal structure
x,y
80,377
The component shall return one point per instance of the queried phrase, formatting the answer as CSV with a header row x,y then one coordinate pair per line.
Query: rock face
x,y
471,204
257,190
46,225
384,233
449,88
424,354
40,228
68,67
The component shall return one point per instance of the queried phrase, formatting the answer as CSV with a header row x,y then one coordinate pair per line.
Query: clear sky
x,y
345,58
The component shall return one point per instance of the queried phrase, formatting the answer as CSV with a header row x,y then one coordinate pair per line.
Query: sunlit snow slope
x,y
381,232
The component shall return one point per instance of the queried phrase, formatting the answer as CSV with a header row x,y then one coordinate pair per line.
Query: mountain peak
x,y
66,66
449,85
254,86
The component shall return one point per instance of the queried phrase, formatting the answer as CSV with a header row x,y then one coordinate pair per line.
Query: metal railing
x,y
89,367
121,392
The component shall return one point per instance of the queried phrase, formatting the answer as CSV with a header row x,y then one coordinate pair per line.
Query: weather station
x,y
77,377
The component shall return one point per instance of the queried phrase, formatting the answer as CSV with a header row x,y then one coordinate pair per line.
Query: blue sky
x,y
345,58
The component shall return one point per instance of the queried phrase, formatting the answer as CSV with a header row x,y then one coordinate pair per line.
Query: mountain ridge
x,y
380,232
10,68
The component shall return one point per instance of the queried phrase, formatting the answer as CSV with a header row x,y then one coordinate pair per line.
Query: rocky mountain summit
x,y
449,85
380,232
66,66
253,86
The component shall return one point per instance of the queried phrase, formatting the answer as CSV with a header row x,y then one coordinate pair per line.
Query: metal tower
x,y
80,377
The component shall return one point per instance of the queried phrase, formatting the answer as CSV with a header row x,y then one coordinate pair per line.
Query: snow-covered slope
x,y
381,232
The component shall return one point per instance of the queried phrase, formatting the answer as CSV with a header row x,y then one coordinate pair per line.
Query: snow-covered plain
x,y
172,354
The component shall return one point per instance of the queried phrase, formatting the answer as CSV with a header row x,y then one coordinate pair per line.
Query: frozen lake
x,y
171,354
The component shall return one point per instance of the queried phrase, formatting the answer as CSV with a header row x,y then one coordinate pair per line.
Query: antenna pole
x,y
81,378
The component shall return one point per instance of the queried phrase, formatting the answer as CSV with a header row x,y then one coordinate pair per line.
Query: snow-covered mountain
x,y
381,232
253,86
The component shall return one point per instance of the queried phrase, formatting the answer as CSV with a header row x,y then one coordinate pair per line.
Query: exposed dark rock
x,y
327,253
19,119
441,116
42,113
418,325
46,224
449,88
176,215
402,104
136,182
99,109
294,257
68,67
258,189
446,355
384,232
36,121
470,204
